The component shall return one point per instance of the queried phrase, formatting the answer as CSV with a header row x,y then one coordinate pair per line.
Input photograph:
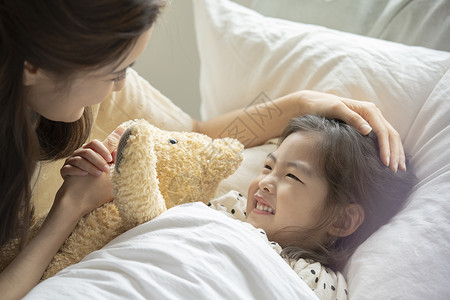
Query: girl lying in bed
x,y
319,196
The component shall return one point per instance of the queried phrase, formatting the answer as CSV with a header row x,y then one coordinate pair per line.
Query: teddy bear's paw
x,y
135,183
92,232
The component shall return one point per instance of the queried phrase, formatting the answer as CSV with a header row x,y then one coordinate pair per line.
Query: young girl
x,y
318,197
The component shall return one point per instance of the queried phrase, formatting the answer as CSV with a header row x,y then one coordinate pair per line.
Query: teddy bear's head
x,y
189,166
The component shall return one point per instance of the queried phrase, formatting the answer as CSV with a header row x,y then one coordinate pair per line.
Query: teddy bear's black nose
x,y
173,141
121,147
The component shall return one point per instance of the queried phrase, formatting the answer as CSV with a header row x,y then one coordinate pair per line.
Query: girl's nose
x,y
267,184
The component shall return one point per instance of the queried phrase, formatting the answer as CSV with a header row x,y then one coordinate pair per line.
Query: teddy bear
x,y
154,171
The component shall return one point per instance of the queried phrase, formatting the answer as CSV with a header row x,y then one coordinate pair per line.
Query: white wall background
x,y
170,62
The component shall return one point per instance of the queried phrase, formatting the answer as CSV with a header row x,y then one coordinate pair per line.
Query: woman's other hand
x,y
362,115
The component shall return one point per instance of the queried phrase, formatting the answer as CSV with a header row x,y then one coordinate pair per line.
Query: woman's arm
x,y
256,124
252,125
77,196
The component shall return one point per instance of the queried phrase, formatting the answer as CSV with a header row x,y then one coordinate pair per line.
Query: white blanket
x,y
189,252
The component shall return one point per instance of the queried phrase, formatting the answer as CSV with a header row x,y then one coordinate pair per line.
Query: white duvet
x,y
189,252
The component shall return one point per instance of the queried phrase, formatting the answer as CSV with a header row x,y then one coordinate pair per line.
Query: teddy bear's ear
x,y
223,156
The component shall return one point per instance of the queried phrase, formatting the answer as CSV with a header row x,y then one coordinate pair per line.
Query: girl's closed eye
x,y
290,175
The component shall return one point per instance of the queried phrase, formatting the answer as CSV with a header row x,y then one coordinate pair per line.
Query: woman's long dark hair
x,y
350,164
62,38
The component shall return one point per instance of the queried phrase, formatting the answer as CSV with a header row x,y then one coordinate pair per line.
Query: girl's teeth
x,y
265,208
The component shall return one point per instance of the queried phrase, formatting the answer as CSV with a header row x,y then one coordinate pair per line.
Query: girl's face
x,y
46,96
288,194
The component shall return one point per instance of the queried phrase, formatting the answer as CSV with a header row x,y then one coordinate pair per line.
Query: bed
x,y
194,252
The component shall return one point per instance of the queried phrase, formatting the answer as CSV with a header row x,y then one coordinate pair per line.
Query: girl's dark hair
x,y
350,163
62,38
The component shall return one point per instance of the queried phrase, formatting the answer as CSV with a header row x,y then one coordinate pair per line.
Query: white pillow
x,y
244,54
418,23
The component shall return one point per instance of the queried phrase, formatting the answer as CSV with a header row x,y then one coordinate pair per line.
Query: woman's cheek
x,y
102,92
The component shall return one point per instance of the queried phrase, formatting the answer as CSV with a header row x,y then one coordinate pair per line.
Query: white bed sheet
x,y
189,252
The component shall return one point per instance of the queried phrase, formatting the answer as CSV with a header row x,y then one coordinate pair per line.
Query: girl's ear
x,y
351,219
30,74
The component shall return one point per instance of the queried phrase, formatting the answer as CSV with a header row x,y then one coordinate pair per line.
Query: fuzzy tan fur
x,y
189,167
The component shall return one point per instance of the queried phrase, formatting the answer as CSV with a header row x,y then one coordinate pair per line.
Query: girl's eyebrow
x,y
301,166
304,168
272,157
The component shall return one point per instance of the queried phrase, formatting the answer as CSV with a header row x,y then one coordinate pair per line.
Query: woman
x,y
59,57
56,58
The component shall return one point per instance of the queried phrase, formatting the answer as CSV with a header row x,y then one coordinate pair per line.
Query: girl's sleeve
x,y
325,283
232,204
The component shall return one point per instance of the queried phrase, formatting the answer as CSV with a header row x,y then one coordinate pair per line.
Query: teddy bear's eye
x,y
173,141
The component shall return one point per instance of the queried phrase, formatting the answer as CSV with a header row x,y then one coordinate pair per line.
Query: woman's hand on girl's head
x,y
362,115
389,141
94,157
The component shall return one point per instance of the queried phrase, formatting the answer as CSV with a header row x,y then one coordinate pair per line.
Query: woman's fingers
x,y
100,148
88,159
397,152
68,170
79,165
112,141
365,117
390,144
350,115
384,144
94,157
389,141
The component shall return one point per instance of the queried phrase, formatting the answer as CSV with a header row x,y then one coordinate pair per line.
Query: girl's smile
x,y
262,207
